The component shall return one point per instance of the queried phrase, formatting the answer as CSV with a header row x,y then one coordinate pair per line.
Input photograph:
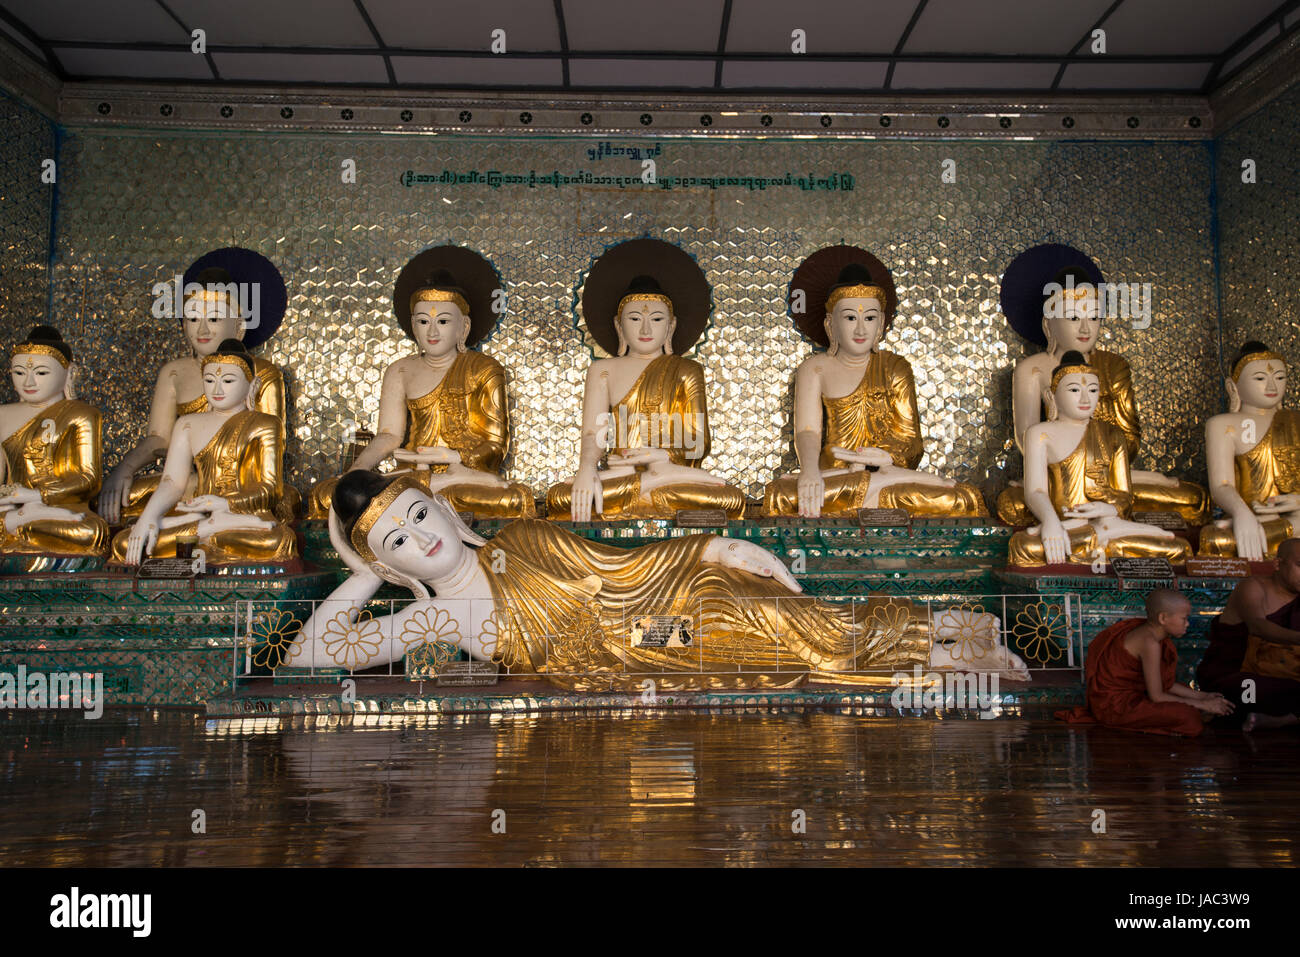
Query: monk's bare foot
x,y
1266,722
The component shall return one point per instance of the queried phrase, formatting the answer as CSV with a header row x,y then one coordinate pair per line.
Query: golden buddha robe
x,y
269,399
1271,468
64,465
1117,405
882,413
466,412
665,408
565,608
241,463
1096,471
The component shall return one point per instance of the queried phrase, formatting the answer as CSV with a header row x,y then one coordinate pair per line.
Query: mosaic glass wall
x,y
28,138
136,209
1259,229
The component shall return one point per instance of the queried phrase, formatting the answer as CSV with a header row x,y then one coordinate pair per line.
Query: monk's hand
x,y
586,495
748,557
1216,704
812,494
140,543
1252,540
1056,543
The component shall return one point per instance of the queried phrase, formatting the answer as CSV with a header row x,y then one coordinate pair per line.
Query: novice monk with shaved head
x,y
1130,671
1254,653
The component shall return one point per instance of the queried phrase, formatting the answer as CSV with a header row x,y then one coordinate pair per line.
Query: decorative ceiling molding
x,y
22,77
705,115
1261,81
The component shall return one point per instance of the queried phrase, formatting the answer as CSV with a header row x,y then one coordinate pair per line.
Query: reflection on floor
x,y
759,787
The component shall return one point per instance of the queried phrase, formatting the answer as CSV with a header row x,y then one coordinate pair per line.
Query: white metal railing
x,y
1014,635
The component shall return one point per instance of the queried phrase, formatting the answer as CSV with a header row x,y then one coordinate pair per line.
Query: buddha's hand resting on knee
x,y
1056,543
587,496
1252,540
812,493
748,557
140,543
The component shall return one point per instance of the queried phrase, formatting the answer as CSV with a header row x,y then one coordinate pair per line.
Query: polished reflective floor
x,y
808,787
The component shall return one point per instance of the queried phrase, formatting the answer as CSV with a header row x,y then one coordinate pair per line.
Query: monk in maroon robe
x,y
1254,654
1130,671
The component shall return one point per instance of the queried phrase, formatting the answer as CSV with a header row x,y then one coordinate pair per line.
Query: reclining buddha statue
x,y
545,602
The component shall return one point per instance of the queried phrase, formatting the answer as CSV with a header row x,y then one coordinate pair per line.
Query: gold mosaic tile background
x,y
1259,231
135,209
26,138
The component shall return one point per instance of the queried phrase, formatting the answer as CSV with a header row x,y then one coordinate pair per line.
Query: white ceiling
x,y
1186,46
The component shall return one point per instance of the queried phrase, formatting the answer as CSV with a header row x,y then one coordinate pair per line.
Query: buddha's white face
x,y
37,378
209,324
415,538
226,385
1077,395
646,325
438,327
857,325
1262,383
1073,321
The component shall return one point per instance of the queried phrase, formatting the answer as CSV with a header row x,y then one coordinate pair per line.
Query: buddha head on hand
x,y
404,534
212,315
41,367
1071,313
440,322
1075,390
228,378
645,322
1258,379
855,313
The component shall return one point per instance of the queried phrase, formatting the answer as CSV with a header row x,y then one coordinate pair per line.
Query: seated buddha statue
x,y
1071,320
866,453
1253,457
649,403
210,315
564,608
233,454
1077,483
51,463
449,405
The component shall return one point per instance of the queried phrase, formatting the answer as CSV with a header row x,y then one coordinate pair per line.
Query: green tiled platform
x,y
165,643
160,643
1105,602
